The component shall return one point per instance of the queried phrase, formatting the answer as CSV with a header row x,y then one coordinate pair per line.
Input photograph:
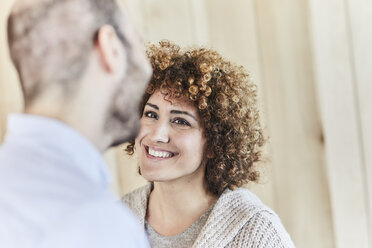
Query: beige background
x,y
312,60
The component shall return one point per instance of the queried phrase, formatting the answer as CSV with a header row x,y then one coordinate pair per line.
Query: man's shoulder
x,y
137,201
97,223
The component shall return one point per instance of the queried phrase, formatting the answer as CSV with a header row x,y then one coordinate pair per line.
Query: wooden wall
x,y
10,93
342,57
312,60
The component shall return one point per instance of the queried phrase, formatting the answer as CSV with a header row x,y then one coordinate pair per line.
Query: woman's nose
x,y
160,132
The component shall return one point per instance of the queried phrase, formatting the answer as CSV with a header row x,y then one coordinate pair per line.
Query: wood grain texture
x,y
136,12
171,20
200,22
360,31
336,92
10,92
296,133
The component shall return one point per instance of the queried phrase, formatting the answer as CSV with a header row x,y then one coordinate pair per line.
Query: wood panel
x,y
301,190
232,32
172,20
10,93
200,22
135,9
360,31
336,91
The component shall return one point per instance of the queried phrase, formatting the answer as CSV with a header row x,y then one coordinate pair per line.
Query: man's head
x,y
84,53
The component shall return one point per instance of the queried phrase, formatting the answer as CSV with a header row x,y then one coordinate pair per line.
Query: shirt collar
x,y
63,138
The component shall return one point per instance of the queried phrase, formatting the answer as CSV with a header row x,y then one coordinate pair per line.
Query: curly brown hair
x,y
226,99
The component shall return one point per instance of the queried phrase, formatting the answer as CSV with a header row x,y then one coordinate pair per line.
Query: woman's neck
x,y
174,206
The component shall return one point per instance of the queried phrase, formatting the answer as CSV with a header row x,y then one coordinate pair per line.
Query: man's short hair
x,y
50,42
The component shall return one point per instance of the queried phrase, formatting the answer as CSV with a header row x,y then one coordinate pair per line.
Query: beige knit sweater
x,y
238,219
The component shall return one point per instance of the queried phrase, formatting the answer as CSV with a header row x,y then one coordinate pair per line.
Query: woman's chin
x,y
150,175
153,177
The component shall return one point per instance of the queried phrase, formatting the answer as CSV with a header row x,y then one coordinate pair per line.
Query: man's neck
x,y
73,119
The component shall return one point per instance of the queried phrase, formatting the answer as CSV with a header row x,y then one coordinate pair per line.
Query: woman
x,y
200,141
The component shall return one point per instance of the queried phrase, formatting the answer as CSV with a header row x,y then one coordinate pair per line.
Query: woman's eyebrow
x,y
179,112
153,106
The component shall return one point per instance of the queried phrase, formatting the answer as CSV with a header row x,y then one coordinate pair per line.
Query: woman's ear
x,y
209,154
111,50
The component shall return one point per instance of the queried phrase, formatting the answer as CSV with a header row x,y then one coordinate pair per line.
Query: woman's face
x,y
170,144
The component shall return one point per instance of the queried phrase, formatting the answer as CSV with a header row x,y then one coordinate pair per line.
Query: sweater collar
x,y
233,209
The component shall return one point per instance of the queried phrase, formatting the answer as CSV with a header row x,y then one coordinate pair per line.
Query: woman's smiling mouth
x,y
157,153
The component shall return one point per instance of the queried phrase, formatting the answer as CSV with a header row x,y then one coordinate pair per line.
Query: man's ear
x,y
111,52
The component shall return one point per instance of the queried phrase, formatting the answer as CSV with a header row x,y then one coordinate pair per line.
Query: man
x,y
83,72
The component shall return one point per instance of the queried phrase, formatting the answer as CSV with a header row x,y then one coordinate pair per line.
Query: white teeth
x,y
159,154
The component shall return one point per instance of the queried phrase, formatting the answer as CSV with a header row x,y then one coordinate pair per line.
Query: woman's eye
x,y
150,114
180,121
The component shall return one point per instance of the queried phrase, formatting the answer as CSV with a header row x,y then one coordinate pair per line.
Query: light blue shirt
x,y
54,191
